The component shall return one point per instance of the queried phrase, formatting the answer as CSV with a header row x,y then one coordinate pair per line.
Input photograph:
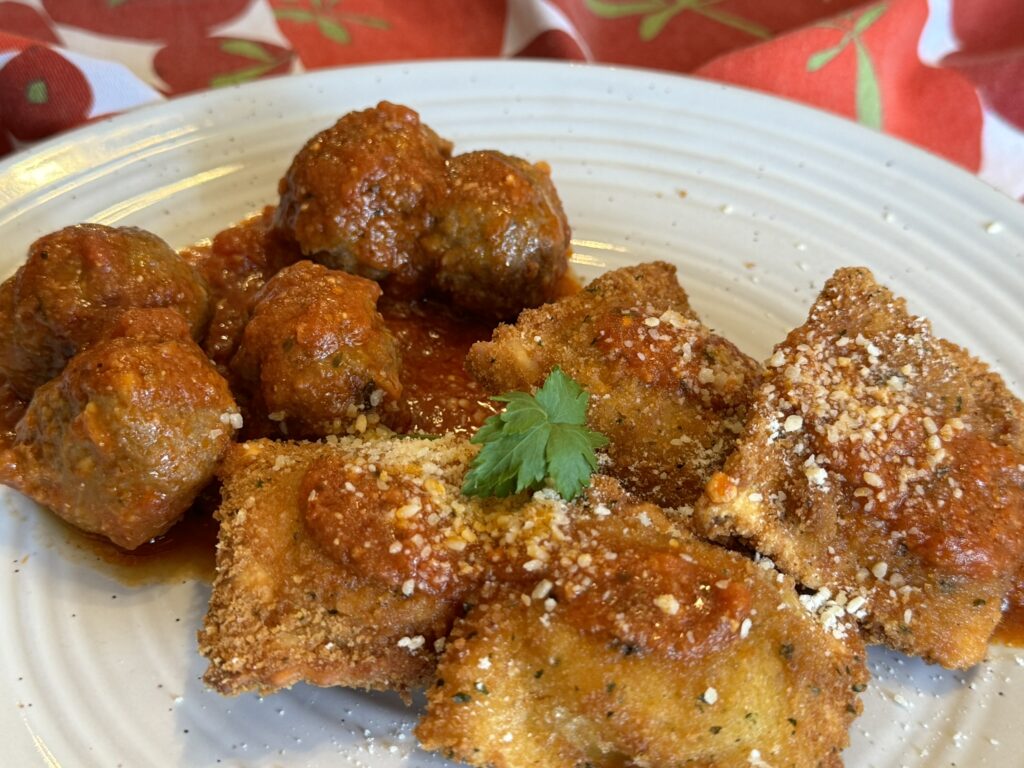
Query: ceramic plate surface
x,y
756,200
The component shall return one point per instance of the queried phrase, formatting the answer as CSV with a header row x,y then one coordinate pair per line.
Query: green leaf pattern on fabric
x,y
656,14
37,92
294,14
264,60
240,76
869,97
868,93
752,28
821,58
332,30
247,49
869,17
329,20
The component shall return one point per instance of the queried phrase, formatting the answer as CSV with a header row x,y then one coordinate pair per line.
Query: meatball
x,y
236,263
152,323
501,239
358,195
74,281
316,352
123,440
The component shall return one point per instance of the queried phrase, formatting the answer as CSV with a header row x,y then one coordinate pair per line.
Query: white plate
x,y
757,200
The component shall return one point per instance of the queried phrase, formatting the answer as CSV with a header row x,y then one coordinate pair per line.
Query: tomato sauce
x,y
11,410
235,264
186,552
1011,629
438,395
703,622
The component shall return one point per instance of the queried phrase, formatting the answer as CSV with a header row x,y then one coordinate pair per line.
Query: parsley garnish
x,y
537,438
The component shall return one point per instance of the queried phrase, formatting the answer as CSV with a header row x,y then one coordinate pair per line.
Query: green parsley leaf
x,y
537,439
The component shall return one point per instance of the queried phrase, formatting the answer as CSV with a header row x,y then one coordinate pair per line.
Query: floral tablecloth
x,y
947,75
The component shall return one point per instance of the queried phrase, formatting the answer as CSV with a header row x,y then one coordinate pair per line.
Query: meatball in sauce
x,y
74,283
316,353
235,264
501,240
121,443
359,195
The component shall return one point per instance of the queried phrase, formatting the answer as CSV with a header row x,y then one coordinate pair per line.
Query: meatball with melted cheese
x,y
501,239
74,282
124,439
358,195
316,353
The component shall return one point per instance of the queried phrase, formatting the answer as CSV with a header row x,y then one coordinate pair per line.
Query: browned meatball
x,y
123,440
316,353
63,297
235,264
501,239
152,323
358,195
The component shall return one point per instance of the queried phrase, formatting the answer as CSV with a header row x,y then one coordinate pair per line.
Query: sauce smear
x,y
1011,629
438,395
186,552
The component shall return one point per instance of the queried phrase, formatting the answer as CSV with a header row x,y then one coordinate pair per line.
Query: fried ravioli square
x,y
884,466
637,644
316,578
669,393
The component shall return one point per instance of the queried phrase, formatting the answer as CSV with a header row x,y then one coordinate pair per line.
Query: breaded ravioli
x,y
884,466
345,562
284,608
670,395
636,644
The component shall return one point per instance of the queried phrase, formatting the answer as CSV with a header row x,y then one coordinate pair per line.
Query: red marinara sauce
x,y
438,395
1011,629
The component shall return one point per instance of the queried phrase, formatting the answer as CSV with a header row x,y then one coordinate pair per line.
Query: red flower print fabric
x,y
946,75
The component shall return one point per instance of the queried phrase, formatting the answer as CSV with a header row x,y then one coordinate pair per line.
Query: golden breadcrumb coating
x,y
883,466
282,609
636,644
345,562
670,395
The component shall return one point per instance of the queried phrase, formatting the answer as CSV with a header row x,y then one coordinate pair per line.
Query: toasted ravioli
x,y
884,466
288,605
345,562
637,644
670,395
